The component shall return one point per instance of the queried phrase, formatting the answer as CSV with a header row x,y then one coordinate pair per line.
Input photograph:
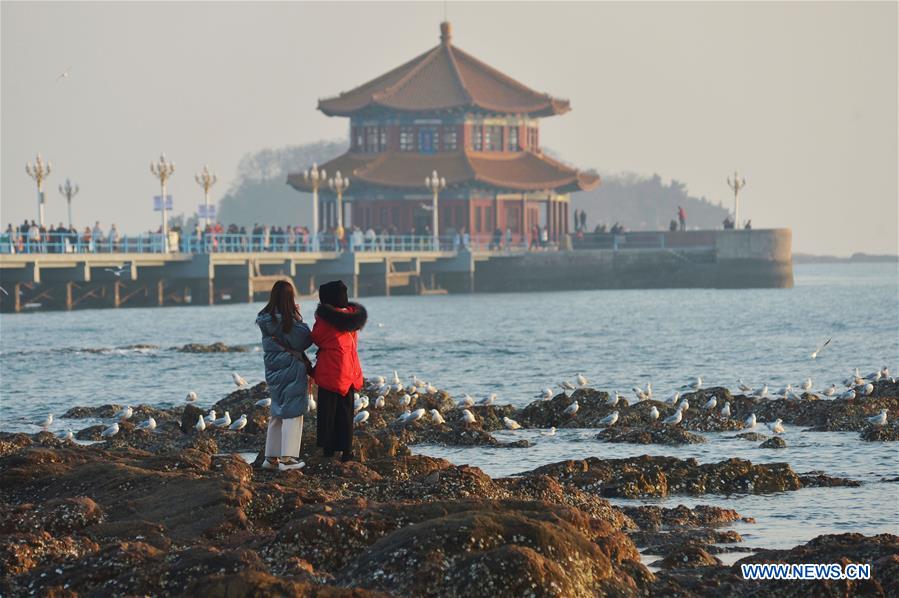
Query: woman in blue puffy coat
x,y
285,337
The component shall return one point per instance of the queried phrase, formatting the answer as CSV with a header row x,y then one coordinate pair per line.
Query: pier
x,y
204,273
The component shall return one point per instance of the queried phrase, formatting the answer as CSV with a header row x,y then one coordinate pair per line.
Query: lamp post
x,y
69,191
736,184
163,170
39,172
339,184
315,177
435,184
206,180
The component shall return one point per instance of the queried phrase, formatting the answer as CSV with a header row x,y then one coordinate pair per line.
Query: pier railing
x,y
71,243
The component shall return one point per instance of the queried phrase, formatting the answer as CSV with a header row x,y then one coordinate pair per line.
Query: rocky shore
x,y
174,511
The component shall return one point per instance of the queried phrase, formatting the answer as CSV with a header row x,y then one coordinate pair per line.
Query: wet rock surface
x,y
218,347
658,435
775,442
662,476
889,432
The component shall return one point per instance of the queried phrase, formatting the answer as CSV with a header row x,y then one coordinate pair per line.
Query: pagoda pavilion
x,y
446,111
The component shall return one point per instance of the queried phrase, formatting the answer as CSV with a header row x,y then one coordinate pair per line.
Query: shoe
x,y
290,465
266,464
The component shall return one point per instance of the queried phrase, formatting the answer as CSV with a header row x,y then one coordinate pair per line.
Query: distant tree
x,y
260,192
645,203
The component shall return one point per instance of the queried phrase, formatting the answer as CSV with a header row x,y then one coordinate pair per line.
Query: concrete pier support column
x,y
160,292
69,302
202,291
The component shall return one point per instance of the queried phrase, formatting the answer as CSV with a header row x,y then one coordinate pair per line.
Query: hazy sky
x,y
800,97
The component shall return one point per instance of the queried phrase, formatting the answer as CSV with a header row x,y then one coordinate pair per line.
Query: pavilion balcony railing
x,y
152,243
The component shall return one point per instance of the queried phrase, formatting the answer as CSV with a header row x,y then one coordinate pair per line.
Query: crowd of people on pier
x,y
30,237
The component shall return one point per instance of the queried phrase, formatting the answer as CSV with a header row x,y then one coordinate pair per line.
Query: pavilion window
x,y
513,140
382,138
532,137
371,139
428,140
407,139
477,219
477,138
493,138
357,138
450,139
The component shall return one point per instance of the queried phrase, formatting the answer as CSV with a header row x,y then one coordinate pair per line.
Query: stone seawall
x,y
737,259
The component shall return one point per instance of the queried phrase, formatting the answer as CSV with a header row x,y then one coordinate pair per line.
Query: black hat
x,y
333,293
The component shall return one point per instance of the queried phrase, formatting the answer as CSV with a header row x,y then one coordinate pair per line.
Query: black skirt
x,y
334,423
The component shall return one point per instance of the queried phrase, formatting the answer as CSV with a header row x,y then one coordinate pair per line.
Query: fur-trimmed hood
x,y
345,321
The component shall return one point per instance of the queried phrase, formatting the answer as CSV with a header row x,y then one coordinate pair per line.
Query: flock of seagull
x,y
855,385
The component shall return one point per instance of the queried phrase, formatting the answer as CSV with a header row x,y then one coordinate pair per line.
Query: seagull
x,y
550,432
725,411
379,402
361,417
874,376
783,392
201,424
406,400
711,403
613,399
743,386
547,394
110,431
238,380
880,419
488,400
640,394
67,435
610,419
830,391
511,424
582,380
885,372
566,385
867,389
673,420
695,384
648,392
849,394
653,413
415,415
761,392
673,398
817,351
124,413
396,378
191,397
432,390
468,417
210,417
776,426
360,403
750,421
239,423
403,416
64,75
223,422
684,405
263,402
312,405
436,417
807,385
117,271
45,423
467,401
149,424
379,381
398,387
383,389
572,409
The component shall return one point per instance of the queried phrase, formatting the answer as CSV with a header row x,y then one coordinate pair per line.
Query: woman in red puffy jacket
x,y
337,370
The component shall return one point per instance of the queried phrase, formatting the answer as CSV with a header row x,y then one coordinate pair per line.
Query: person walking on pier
x,y
682,217
285,338
338,373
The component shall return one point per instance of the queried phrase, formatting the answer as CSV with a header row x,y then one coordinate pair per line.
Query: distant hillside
x,y
645,203
260,192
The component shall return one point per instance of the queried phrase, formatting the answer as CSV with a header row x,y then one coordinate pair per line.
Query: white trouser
x,y
283,437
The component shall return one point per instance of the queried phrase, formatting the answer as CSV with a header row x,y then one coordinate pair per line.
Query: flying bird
x,y
117,271
64,75
817,351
